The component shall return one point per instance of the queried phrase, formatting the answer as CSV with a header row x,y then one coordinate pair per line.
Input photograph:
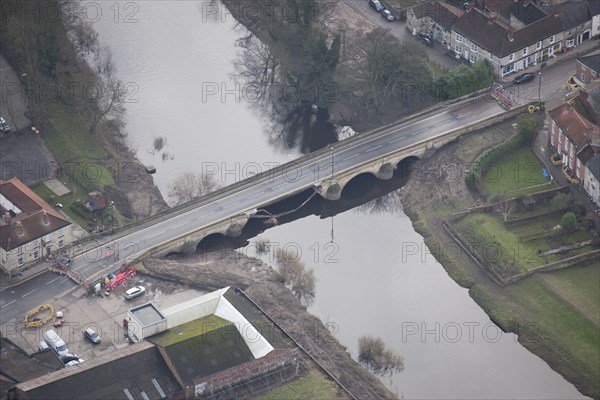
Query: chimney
x,y
469,6
45,219
525,3
7,218
19,228
492,17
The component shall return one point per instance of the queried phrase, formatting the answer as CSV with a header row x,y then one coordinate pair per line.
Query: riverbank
x,y
260,282
546,324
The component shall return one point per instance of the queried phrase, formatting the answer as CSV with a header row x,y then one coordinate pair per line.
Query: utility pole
x,y
332,162
540,90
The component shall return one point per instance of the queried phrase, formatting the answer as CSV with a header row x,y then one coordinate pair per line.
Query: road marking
x,y
229,205
397,140
8,304
278,186
352,156
443,122
27,294
374,148
180,225
207,214
255,195
159,233
77,269
54,280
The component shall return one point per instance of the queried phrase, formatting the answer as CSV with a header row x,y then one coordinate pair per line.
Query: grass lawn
x,y
581,284
48,195
548,325
487,234
311,386
519,172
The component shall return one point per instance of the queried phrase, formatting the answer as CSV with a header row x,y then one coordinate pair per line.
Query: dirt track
x,y
260,283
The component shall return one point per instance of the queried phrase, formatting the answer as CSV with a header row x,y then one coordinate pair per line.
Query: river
x,y
181,60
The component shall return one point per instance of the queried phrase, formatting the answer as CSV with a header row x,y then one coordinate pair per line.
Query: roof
x,y
147,314
30,217
592,62
576,127
135,369
493,36
444,14
593,166
527,12
203,347
571,13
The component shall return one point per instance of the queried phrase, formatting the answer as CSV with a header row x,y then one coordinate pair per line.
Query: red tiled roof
x,y
36,219
577,128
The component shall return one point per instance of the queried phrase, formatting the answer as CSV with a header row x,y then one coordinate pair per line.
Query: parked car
x,y
376,4
425,38
43,346
71,359
387,14
4,126
54,341
134,292
524,78
64,261
92,336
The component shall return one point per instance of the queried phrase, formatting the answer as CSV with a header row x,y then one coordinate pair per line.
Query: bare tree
x,y
187,186
375,356
506,207
300,280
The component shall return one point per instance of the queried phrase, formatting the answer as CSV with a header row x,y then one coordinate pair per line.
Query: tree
x,y
187,186
102,95
568,221
300,280
526,126
375,356
387,72
506,207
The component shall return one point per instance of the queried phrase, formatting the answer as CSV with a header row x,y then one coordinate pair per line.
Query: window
x,y
20,250
472,58
61,243
583,77
507,69
20,261
459,37
551,39
570,42
594,74
60,232
538,45
474,47
458,49
36,255
583,67
552,140
570,33
511,57
524,51
553,127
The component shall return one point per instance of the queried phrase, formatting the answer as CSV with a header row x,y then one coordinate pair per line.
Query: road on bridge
x,y
92,264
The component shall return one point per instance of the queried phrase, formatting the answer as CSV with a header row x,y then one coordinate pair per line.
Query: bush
x,y
464,80
568,221
374,355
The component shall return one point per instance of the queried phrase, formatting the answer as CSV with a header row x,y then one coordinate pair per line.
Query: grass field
x,y
311,386
580,284
517,173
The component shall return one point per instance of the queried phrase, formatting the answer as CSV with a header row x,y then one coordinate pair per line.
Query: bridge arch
x,y
355,187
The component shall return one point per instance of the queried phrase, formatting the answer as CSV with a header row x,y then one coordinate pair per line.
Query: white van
x,y
55,342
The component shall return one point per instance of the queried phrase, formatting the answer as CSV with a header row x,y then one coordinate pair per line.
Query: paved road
x,y
90,265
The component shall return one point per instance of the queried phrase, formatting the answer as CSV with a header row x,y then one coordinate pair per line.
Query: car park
x,y
92,336
387,14
376,5
134,292
524,78
4,126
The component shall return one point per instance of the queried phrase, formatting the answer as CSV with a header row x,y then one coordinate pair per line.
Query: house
x,y
592,178
434,18
573,137
29,227
576,20
512,37
594,7
588,68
